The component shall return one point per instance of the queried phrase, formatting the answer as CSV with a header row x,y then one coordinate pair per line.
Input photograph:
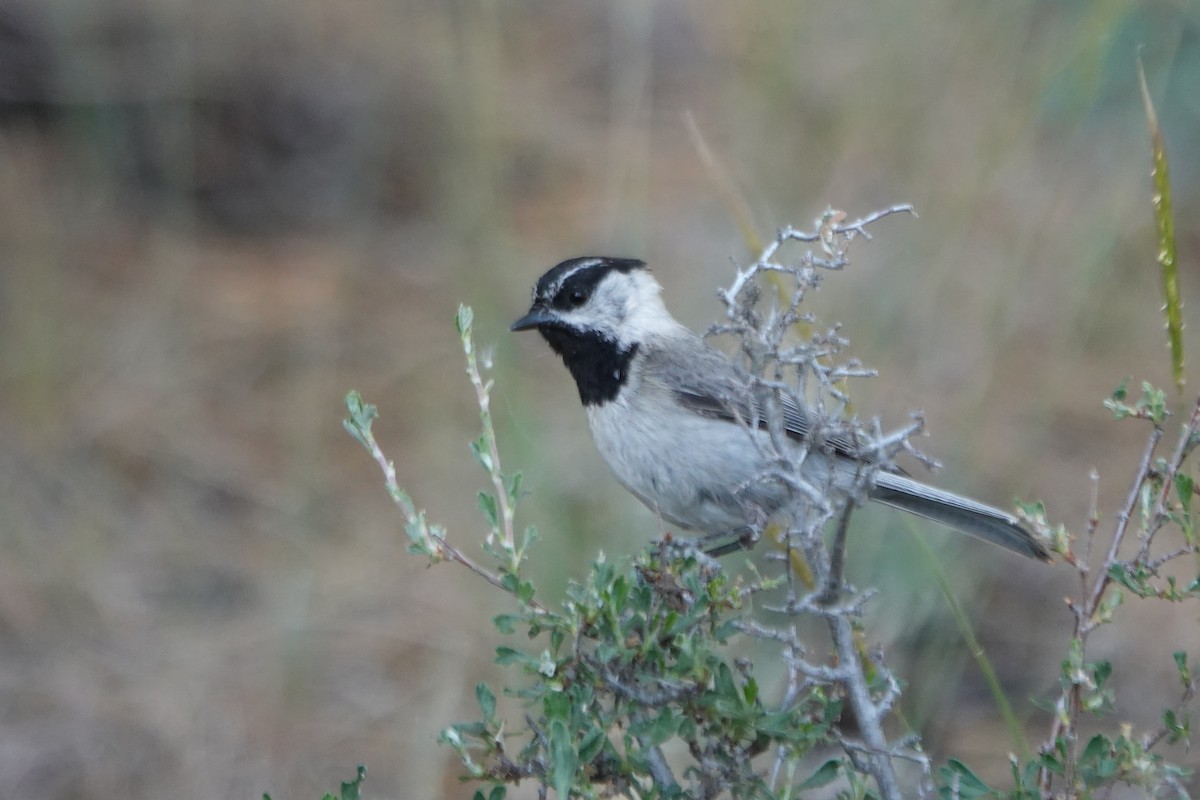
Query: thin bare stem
x,y
1187,441
483,390
866,713
1123,516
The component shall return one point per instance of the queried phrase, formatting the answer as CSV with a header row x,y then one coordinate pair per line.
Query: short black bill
x,y
536,316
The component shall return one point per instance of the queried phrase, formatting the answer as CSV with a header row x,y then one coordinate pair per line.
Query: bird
x,y
678,423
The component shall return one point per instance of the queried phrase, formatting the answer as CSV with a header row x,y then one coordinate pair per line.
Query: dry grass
x,y
203,590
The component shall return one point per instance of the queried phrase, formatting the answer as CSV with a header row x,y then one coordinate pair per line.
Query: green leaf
x,y
750,691
592,745
724,684
487,505
482,453
528,537
354,432
477,730
557,706
506,623
1178,729
825,773
970,785
563,758
417,531
1110,603
1154,403
1025,779
463,320
358,425
1098,761
525,592
1184,487
512,487
664,726
1132,577
1185,672
1052,762
352,790
507,655
487,701
1117,402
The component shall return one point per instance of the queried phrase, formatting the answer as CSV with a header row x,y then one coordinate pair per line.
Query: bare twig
x,y
866,713
1187,442
792,370
1123,516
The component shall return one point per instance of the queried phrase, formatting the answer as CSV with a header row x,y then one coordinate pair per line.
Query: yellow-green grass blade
x,y
1165,234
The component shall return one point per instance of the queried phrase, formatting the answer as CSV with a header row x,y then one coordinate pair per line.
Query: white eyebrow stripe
x,y
553,288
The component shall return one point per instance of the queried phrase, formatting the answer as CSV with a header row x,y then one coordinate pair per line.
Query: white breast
x,y
696,472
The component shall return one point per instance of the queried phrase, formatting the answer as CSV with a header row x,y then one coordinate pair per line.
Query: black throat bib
x,y
598,365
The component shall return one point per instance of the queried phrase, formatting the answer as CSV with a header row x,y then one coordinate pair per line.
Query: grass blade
x,y
1165,234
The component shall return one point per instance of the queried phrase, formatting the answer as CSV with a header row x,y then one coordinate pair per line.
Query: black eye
x,y
577,297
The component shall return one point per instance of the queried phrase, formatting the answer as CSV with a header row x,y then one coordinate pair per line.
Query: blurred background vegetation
x,y
217,217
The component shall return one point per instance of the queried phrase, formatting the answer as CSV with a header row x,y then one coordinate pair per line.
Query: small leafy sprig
x,y
1160,497
638,661
498,506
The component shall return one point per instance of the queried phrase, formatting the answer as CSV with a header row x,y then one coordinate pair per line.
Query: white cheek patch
x,y
594,317
606,311
644,312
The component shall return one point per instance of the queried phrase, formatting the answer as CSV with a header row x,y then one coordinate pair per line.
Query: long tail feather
x,y
961,513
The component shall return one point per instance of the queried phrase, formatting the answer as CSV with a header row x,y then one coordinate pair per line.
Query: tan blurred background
x,y
217,217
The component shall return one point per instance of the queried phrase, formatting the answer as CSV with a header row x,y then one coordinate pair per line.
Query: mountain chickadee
x,y
673,418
